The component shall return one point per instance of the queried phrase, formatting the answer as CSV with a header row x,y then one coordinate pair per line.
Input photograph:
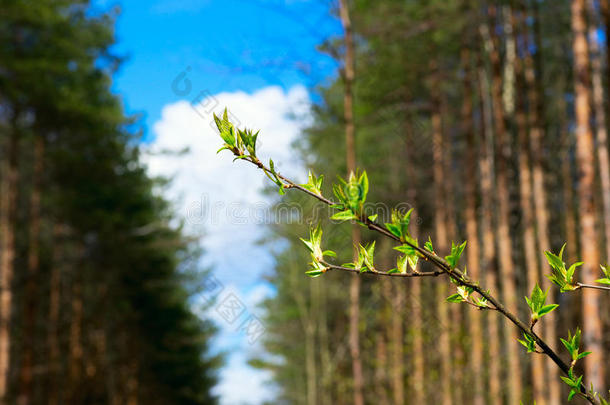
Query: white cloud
x,y
214,194
222,199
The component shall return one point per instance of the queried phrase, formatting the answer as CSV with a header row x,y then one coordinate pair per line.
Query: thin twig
x,y
435,273
596,287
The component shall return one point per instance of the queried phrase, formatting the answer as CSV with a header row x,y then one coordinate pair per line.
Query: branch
x,y
436,273
593,286
454,273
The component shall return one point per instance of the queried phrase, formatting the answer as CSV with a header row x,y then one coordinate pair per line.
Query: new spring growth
x,y
560,276
536,302
314,244
572,344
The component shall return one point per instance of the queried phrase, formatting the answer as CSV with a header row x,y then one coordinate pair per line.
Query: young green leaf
x,y
606,271
456,298
561,276
456,252
572,345
343,216
428,245
536,302
402,263
529,343
314,184
411,255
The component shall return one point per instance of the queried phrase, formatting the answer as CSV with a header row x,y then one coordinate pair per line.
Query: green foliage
x,y
456,252
104,228
351,195
314,184
428,245
227,132
366,256
536,303
574,382
464,295
606,279
572,345
560,276
314,244
528,342
274,177
399,226
411,255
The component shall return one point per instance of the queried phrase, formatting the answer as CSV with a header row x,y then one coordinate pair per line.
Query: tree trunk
x,y
350,147
488,246
76,343
415,326
527,220
381,365
601,132
440,240
605,10
324,344
592,327
25,394
535,98
505,245
8,213
397,343
310,346
472,233
54,327
456,327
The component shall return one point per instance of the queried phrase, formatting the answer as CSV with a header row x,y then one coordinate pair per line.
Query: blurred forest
x,y
94,305
488,118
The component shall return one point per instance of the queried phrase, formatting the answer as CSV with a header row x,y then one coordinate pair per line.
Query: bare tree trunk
x,y
54,306
605,10
539,383
592,328
25,394
535,98
455,331
568,198
8,212
472,232
440,230
76,344
415,326
488,246
600,122
397,339
325,356
350,147
527,226
505,245
132,384
380,368
310,347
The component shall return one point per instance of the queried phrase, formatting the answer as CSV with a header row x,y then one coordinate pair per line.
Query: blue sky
x,y
188,58
225,45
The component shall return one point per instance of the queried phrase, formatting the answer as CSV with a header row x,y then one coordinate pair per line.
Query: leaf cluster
x,y
536,303
351,195
561,276
314,244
